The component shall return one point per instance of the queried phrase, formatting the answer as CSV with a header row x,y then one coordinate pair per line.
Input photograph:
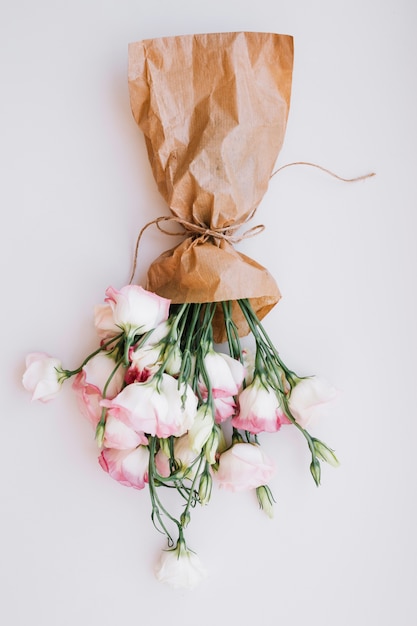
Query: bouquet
x,y
170,407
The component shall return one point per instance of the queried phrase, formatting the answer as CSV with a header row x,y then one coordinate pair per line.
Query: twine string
x,y
227,233
323,169
198,231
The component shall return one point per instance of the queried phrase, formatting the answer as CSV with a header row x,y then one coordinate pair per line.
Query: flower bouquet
x,y
170,406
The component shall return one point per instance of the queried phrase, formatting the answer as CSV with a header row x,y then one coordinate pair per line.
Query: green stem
x,y
259,333
193,484
179,315
118,364
260,337
157,506
185,371
232,334
70,373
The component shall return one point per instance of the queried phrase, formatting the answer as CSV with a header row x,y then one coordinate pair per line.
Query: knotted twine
x,y
204,233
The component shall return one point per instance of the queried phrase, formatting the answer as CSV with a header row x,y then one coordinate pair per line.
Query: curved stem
x,y
70,373
193,484
157,506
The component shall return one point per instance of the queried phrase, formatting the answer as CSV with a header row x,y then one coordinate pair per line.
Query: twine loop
x,y
199,232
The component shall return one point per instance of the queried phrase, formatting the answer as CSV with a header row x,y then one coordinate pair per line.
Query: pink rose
x,y
158,407
307,399
43,376
244,466
90,382
128,467
259,409
225,374
136,310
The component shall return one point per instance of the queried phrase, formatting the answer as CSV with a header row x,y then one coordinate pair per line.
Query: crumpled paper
x,y
213,109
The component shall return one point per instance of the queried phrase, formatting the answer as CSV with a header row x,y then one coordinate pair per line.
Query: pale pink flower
x,y
225,374
158,407
244,466
148,357
136,310
224,408
119,436
162,464
89,385
145,362
88,399
259,409
180,568
43,376
104,322
128,467
308,399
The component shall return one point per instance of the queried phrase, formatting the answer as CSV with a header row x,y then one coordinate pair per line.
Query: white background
x,y
78,548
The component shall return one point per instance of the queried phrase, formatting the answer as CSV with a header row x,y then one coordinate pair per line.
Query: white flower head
x,y
308,399
135,309
180,568
43,376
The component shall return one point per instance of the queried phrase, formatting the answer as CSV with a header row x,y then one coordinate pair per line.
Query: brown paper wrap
x,y
213,109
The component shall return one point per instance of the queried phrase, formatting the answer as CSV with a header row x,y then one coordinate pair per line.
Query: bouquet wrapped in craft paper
x,y
168,408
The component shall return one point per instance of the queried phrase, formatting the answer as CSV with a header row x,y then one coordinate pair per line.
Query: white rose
x,y
180,568
43,376
137,310
308,397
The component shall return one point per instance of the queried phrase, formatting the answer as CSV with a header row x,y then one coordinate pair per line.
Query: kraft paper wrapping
x,y
213,109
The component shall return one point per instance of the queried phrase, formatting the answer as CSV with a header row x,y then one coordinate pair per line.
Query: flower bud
x,y
212,445
205,487
171,356
315,470
237,437
164,444
266,500
100,434
202,428
185,519
325,453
